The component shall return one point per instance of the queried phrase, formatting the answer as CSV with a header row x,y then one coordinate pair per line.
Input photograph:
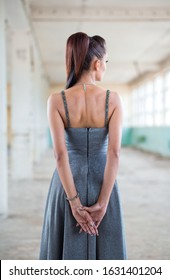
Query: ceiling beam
x,y
93,14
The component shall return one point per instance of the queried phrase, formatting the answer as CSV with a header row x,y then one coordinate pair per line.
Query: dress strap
x,y
66,107
107,107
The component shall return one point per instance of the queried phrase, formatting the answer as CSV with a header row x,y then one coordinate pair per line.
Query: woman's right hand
x,y
97,212
83,218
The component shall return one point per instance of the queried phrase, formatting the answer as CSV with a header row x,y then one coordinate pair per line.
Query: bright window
x,y
150,102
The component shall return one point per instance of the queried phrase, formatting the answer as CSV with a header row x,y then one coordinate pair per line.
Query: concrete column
x,y
21,111
39,103
3,117
41,141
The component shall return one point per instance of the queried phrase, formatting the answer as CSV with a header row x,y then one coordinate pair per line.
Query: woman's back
x,y
86,109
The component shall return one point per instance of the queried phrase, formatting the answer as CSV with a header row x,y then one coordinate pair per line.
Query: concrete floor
x,y
144,182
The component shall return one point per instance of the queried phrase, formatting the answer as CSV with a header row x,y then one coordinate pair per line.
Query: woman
x,y
83,216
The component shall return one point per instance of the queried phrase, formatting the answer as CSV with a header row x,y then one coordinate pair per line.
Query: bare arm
x,y
63,166
98,210
113,153
60,151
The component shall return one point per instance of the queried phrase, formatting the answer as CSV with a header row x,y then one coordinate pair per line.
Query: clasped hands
x,y
88,218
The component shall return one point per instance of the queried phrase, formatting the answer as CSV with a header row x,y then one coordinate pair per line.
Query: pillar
x,y
21,111
41,125
40,88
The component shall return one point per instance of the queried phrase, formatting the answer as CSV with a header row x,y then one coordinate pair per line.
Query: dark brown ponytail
x,y
80,51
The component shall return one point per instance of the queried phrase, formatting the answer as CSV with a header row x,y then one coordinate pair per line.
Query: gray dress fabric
x,y
61,240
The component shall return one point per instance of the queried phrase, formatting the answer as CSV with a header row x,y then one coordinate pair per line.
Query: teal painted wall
x,y
49,139
127,136
152,139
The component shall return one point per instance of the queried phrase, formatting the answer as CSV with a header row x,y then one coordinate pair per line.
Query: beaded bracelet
x,y
73,198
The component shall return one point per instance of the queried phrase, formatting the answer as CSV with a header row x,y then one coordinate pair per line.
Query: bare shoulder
x,y
115,99
53,99
115,96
